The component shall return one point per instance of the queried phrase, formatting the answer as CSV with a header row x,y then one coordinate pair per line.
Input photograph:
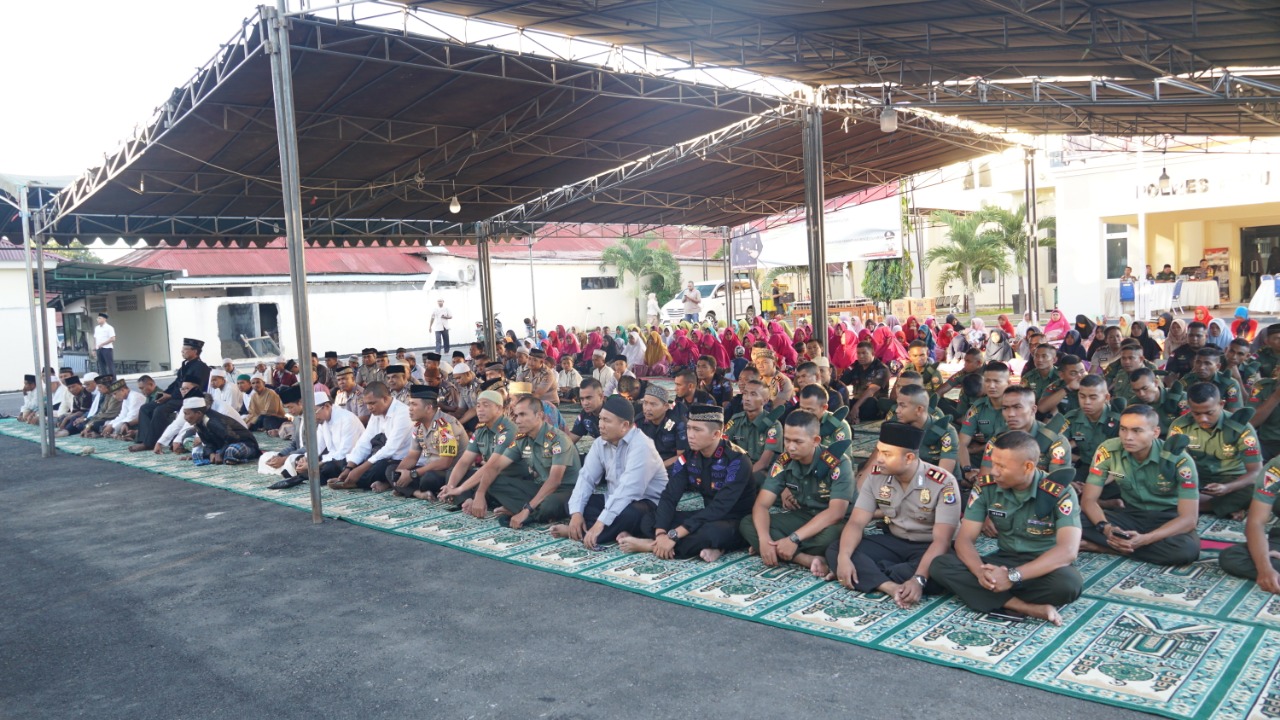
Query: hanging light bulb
x,y
1164,179
454,206
888,120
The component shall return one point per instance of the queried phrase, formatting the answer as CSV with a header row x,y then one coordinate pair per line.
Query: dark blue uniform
x,y
668,435
586,426
724,482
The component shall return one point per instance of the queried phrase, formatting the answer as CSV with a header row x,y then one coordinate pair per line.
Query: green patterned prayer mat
x,y
1182,642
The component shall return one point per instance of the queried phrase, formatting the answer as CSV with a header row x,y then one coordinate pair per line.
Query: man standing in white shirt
x,y
104,344
440,318
692,302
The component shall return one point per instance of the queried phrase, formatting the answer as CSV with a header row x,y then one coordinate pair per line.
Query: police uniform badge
x,y
886,492
925,497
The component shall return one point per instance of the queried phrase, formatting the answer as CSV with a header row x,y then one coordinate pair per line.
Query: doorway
x,y
1259,255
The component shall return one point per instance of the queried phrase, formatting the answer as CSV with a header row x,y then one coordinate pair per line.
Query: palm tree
x,y
967,253
1009,228
634,256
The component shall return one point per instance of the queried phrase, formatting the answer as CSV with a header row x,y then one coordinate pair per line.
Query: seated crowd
x,y
1116,455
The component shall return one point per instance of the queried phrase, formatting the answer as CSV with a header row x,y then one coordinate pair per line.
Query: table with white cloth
x,y
1265,301
1152,298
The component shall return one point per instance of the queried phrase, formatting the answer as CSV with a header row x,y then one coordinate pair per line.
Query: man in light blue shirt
x,y
625,460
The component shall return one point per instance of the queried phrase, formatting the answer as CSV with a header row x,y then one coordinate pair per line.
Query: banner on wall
x,y
870,231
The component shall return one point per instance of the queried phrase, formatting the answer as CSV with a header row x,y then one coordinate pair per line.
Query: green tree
x,y
887,280
1009,228
633,256
75,251
967,253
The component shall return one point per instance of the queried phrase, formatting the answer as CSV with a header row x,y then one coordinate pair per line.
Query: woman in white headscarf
x,y
654,311
1219,334
634,350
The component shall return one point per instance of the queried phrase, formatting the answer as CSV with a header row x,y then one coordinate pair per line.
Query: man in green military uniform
x,y
1258,559
1169,403
1059,396
1225,450
973,365
1119,373
1161,493
813,400
1269,355
542,495
821,481
1264,399
757,432
940,445
1043,370
1091,425
921,505
918,357
984,420
1206,366
493,449
1239,363
1038,521
1019,412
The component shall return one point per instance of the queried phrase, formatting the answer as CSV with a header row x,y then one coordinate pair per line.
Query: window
x,y
252,324
599,283
96,304
126,303
984,175
239,292
1117,241
986,277
1053,255
970,182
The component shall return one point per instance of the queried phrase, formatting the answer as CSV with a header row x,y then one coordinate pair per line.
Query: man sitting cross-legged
x,y
222,440
542,494
337,432
821,484
382,445
717,470
626,462
1161,492
1038,520
437,443
921,505
493,447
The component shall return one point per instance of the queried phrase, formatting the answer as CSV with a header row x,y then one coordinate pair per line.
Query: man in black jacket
x,y
222,440
155,416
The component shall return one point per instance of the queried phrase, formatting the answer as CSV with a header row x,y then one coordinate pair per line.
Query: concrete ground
x,y
137,596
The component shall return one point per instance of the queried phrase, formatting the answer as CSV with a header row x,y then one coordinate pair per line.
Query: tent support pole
x,y
42,378
814,201
486,291
287,134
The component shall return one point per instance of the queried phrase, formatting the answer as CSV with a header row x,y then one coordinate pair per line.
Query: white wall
x,y
15,353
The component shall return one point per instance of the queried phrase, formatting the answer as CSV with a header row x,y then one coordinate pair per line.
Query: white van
x,y
713,300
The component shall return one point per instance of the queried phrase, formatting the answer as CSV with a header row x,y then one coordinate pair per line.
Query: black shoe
x,y
286,483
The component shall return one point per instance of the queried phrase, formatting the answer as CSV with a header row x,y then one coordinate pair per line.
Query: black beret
x,y
193,343
330,354
432,356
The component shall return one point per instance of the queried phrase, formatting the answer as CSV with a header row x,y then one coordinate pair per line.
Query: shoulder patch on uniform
x,y
1052,487
1102,455
1058,452
1066,506
984,481
948,496
936,474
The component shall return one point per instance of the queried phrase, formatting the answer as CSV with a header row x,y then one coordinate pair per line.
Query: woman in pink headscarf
x,y
683,353
781,344
887,348
729,343
1057,327
595,341
552,346
844,352
710,345
910,329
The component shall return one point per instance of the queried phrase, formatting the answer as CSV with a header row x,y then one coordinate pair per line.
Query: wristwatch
x,y
794,538
413,474
921,579
528,507
674,534
966,469
1101,526
1015,577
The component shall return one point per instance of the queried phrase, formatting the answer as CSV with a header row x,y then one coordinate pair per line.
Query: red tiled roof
x,y
274,260
12,252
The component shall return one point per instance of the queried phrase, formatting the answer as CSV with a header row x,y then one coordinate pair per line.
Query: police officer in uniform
x,y
921,505
1224,448
665,427
1169,403
1258,559
1038,519
1092,424
717,470
820,480
552,461
493,449
1158,484
437,441
985,419
757,432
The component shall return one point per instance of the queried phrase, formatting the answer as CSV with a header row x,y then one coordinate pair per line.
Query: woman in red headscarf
x,y
1006,326
729,342
945,333
781,345
710,345
844,351
683,352
551,346
595,341
1202,316
887,349
910,329
568,342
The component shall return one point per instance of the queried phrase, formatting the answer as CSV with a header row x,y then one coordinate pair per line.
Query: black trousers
x,y
1177,550
716,535
630,520
153,418
879,559
267,422
383,470
106,361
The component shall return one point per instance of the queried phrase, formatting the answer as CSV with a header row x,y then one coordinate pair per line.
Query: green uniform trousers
x,y
1231,503
784,523
1176,550
1057,588
513,493
1236,560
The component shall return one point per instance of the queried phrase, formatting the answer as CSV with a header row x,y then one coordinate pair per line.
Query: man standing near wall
x,y
104,344
440,318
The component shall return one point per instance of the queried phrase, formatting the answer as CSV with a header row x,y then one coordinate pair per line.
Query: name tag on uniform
x,y
997,513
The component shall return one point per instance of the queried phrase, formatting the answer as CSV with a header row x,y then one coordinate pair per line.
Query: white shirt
x,y
398,429
29,403
631,470
440,319
605,376
129,409
338,437
230,397
104,336
692,301
93,408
